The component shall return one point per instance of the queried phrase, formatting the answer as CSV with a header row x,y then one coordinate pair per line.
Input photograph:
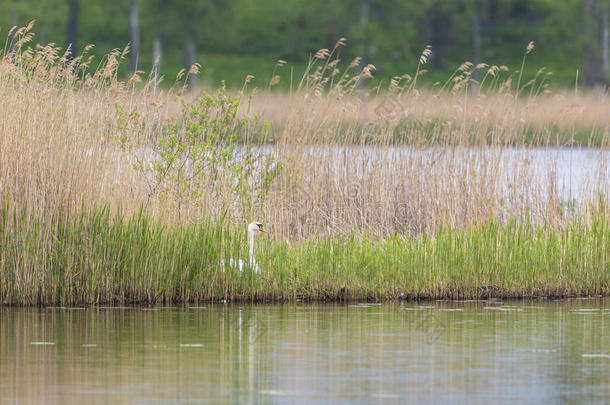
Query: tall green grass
x,y
102,258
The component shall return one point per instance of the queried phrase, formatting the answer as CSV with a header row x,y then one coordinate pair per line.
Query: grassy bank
x,y
100,258
458,190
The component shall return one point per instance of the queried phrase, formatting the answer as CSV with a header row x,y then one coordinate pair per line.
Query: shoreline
x,y
457,297
101,258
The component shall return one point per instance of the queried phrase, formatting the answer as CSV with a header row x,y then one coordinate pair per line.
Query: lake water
x,y
570,170
436,352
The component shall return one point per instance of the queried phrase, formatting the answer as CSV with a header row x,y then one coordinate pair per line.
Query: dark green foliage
x,y
237,38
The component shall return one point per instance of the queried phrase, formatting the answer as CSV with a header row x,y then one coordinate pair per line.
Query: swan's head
x,y
256,227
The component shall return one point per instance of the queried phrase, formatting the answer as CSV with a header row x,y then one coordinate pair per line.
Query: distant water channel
x,y
438,352
569,170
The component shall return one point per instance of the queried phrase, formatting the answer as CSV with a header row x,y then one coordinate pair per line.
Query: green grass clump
x,y
103,258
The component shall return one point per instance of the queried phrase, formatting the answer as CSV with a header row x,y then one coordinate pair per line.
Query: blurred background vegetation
x,y
231,39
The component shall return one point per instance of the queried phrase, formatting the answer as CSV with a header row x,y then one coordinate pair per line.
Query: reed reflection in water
x,y
474,352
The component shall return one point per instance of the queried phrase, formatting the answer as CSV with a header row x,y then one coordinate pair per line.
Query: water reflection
x,y
475,351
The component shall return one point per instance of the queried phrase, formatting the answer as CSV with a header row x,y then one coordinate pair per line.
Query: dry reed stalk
x,y
406,160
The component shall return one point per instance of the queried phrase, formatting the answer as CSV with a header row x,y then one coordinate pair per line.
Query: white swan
x,y
253,229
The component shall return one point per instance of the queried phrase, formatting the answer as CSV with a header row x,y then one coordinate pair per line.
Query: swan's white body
x,y
240,264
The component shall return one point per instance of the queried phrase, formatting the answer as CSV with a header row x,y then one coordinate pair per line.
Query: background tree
x,y
440,22
476,39
605,34
240,37
492,21
72,29
590,65
134,35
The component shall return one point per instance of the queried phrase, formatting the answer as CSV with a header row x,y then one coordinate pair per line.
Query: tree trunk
x,y
134,35
364,20
72,28
156,61
493,22
590,66
605,38
43,34
189,53
12,39
476,42
440,30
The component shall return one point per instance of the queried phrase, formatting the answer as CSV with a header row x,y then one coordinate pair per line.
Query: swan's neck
x,y
251,246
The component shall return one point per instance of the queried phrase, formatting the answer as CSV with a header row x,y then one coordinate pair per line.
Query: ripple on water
x,y
503,308
277,393
66,308
596,356
42,343
383,395
364,305
470,301
113,308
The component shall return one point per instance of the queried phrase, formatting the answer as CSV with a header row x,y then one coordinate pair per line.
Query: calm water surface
x,y
438,352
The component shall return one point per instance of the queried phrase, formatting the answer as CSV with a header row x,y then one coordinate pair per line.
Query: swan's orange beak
x,y
262,229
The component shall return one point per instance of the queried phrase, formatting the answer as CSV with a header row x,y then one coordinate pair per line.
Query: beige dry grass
x,y
399,159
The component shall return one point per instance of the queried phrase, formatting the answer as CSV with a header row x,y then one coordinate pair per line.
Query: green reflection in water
x,y
471,352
